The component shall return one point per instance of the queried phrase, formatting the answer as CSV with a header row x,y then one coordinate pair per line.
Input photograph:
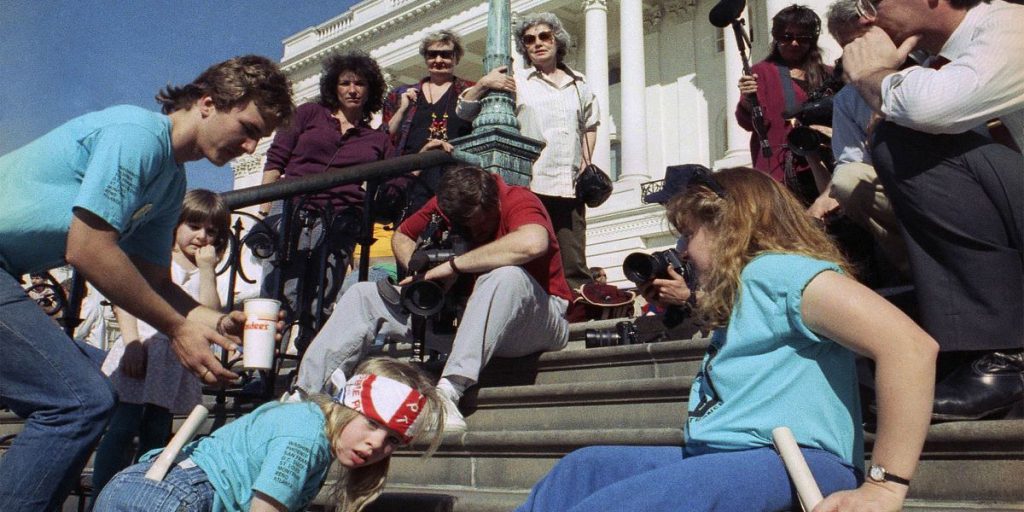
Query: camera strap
x,y
789,95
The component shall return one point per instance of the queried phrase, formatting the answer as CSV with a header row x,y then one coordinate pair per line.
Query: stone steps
x,y
529,412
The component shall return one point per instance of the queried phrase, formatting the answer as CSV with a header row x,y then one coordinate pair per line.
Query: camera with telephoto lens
x,y
624,333
641,267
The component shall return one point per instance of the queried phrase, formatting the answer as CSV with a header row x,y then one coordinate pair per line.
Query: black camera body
x,y
642,268
817,110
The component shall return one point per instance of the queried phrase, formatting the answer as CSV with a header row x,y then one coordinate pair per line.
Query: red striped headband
x,y
386,401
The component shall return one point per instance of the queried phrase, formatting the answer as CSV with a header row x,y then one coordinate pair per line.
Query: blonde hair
x,y
206,207
361,486
757,216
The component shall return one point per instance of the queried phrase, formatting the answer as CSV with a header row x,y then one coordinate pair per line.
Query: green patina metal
x,y
496,139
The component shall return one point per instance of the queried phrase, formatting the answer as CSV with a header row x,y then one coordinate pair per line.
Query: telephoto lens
x,y
642,268
624,333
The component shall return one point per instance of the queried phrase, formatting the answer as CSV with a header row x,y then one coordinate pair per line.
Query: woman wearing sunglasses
x,y
555,105
424,113
781,82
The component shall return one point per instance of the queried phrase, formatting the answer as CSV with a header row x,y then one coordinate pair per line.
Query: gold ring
x,y
205,372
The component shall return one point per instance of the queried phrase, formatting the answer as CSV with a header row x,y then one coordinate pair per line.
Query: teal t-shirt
x,y
280,449
767,369
117,163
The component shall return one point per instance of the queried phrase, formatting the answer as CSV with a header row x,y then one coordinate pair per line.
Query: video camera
x,y
427,298
817,110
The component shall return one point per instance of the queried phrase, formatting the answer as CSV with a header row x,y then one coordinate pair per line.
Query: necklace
x,y
438,128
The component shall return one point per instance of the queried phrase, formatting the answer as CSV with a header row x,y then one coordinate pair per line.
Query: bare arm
x,y
407,98
523,245
402,246
843,310
133,361
589,141
269,176
146,291
206,261
262,503
496,80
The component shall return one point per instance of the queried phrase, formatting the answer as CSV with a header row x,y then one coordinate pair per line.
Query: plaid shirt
x,y
394,101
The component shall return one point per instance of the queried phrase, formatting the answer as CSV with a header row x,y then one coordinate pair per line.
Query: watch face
x,y
876,473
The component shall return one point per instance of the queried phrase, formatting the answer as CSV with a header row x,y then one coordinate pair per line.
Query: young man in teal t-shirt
x,y
112,183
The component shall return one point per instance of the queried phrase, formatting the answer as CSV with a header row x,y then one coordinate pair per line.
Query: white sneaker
x,y
454,421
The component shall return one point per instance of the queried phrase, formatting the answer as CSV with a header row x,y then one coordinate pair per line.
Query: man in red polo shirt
x,y
517,305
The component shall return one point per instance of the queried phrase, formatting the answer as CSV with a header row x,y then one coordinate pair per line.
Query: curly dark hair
x,y
803,17
361,64
234,83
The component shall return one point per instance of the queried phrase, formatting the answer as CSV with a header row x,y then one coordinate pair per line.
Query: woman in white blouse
x,y
554,104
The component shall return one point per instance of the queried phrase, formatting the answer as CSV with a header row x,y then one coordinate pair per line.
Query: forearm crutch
x,y
185,434
806,488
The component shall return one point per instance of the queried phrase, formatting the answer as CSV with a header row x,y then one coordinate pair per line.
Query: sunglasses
x,y
788,38
545,37
868,9
444,54
703,177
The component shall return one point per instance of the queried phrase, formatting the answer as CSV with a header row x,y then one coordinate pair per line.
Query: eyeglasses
x,y
444,54
868,9
788,38
545,37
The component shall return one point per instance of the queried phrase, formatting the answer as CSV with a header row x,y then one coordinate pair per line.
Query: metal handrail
x,y
378,170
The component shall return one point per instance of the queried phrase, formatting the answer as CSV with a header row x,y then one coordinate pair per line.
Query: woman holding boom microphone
x,y
781,83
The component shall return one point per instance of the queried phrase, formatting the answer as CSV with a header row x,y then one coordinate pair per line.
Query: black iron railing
x,y
292,190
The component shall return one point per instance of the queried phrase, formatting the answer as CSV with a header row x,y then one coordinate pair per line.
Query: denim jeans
x,y
151,423
54,384
663,479
184,489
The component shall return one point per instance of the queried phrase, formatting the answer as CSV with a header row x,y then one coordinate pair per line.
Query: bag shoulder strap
x,y
787,87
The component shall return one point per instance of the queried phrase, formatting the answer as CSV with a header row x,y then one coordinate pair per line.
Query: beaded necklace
x,y
438,125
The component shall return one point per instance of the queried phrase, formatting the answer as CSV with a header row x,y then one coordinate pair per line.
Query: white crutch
x,y
185,434
806,488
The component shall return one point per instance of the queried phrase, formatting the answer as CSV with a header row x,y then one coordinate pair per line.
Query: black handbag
x,y
593,186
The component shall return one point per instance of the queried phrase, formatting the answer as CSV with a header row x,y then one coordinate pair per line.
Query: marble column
x,y
596,12
633,125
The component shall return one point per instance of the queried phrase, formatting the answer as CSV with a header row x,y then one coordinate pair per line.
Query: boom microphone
x,y
725,12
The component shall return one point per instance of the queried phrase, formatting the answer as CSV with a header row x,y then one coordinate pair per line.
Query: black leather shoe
x,y
991,384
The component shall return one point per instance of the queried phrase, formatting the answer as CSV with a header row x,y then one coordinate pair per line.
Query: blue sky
x,y
61,59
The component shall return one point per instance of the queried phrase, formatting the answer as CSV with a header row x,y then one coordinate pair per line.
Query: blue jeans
x,y
663,479
151,423
54,384
182,490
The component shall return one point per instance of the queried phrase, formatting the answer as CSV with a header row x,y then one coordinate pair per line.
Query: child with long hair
x,y
277,457
151,383
787,320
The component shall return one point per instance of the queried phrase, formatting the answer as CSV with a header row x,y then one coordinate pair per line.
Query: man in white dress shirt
x,y
957,190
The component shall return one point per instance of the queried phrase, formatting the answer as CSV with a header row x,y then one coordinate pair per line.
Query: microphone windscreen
x,y
725,12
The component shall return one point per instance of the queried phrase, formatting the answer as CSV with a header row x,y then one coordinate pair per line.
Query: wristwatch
x,y
879,474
